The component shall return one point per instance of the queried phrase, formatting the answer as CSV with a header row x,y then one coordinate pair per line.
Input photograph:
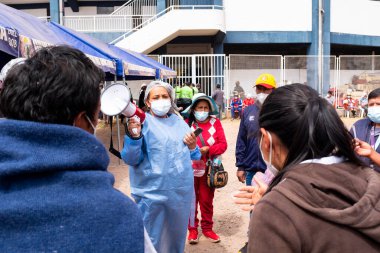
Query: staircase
x,y
125,18
176,20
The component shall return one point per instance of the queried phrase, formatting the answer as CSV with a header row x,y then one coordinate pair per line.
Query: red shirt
x,y
213,135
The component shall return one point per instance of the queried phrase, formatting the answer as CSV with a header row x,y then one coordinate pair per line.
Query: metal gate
x,y
304,69
206,69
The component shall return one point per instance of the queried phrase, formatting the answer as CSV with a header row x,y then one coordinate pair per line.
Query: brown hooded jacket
x,y
319,208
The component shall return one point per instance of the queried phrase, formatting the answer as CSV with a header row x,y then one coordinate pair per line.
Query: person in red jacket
x,y
248,101
201,114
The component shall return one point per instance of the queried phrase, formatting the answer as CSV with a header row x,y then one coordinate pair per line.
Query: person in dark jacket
x,y
141,97
368,129
323,198
56,194
248,157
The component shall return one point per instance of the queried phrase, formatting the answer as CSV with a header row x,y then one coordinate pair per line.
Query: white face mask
x,y
269,164
160,107
261,97
92,125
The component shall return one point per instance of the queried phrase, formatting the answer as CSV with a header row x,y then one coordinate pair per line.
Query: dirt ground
x,y
230,222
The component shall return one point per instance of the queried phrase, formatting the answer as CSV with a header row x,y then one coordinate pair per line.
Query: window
x,y
104,10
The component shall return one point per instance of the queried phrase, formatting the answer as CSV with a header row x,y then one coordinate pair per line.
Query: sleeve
x,y
132,153
148,245
220,145
353,131
213,95
195,154
241,143
271,230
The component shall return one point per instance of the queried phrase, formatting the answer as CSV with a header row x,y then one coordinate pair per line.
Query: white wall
x,y
268,15
37,12
83,11
355,17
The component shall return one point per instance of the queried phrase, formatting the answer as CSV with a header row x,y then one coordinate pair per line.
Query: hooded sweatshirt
x,y
319,208
57,196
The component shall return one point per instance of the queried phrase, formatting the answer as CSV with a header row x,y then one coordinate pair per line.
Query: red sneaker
x,y
193,236
211,235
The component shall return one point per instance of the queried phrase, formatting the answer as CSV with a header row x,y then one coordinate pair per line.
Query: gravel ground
x,y
230,222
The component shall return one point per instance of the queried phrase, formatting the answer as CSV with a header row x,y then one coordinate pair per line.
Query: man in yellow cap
x,y
248,156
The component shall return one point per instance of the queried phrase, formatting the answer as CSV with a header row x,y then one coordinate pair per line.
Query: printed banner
x,y
9,41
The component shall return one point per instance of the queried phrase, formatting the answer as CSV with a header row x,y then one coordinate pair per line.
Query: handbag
x,y
217,177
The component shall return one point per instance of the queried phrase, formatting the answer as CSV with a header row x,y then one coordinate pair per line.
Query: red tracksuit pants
x,y
204,196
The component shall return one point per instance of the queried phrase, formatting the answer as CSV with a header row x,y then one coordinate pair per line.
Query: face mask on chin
x,y
160,107
269,164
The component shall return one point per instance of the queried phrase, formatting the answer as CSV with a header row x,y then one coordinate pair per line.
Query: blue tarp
x,y
162,71
21,34
129,64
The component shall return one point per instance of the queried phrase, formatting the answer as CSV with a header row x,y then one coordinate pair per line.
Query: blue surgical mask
x,y
269,164
201,115
374,114
161,107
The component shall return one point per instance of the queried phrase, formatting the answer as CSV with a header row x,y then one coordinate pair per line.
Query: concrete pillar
x,y
161,5
54,11
218,2
314,50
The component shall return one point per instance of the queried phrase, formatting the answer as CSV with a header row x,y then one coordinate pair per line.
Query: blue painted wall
x,y
355,40
267,37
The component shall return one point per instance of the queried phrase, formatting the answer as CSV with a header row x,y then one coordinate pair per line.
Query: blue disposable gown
x,y
162,179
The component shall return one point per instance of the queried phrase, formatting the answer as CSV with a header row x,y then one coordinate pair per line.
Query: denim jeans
x,y
249,176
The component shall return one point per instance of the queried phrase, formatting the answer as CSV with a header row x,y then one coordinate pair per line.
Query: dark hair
x,y
307,125
374,94
218,86
191,115
53,86
329,92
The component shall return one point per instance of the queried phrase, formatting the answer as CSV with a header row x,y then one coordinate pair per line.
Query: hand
x,y
362,148
241,174
190,140
134,127
204,150
250,195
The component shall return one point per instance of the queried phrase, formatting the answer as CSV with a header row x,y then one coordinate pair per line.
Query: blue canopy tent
x,y
128,66
21,34
162,71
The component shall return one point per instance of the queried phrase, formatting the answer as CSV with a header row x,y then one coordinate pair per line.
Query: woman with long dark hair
x,y
322,198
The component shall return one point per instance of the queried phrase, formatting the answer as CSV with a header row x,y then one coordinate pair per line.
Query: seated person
x,y
236,105
56,193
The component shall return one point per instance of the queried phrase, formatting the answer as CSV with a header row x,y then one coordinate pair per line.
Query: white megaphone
x,y
116,99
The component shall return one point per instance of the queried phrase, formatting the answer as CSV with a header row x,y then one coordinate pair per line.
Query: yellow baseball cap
x,y
266,80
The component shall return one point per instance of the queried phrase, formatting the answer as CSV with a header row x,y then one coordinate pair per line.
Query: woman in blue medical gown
x,y
159,154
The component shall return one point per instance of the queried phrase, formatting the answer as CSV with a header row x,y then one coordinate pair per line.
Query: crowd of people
x,y
310,184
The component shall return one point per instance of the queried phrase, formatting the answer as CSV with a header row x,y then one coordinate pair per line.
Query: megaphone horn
x,y
116,99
